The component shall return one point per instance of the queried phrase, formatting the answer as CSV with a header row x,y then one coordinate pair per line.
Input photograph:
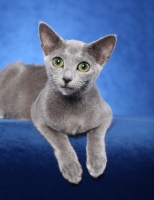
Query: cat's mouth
x,y
66,87
65,90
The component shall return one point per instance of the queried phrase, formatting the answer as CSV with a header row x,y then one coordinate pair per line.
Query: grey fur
x,y
59,108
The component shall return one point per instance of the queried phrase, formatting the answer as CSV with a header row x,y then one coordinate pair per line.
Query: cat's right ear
x,y
49,39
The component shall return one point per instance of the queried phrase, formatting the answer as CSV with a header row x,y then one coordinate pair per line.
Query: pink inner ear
x,y
49,39
45,39
103,48
104,55
107,50
46,43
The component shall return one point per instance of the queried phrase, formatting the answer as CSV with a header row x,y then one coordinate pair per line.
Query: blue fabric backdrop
x,y
127,81
29,170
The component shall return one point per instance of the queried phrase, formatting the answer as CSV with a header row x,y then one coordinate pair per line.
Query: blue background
x,y
127,81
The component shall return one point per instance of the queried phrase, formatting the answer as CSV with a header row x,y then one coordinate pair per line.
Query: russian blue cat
x,y
61,98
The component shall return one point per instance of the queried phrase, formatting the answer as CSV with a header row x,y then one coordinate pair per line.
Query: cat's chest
x,y
73,119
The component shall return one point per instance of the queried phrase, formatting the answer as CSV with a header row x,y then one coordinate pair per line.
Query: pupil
x,y
58,61
83,66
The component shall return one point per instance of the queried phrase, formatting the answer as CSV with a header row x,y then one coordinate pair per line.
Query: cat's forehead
x,y
74,46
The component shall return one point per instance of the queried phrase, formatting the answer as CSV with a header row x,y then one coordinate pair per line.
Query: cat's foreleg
x,y
96,154
64,152
1,113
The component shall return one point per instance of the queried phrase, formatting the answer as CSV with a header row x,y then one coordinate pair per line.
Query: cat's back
x,y
18,72
19,86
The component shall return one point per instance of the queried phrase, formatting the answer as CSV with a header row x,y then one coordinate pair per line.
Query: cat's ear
x,y
49,39
102,48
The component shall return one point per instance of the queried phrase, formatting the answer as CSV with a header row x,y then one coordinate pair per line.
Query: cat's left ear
x,y
49,39
102,48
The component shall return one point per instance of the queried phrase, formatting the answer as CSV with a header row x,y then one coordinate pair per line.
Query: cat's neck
x,y
75,97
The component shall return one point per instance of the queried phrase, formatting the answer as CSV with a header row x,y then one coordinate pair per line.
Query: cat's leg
x,y
96,154
1,113
64,152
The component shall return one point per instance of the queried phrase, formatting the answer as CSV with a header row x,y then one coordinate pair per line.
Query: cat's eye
x,y
83,67
57,62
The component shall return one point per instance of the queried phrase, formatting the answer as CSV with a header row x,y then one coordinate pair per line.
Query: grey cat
x,y
62,99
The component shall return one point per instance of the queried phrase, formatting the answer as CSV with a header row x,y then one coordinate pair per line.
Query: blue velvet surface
x,y
28,168
127,82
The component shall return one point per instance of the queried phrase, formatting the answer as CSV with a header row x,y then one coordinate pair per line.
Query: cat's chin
x,y
66,91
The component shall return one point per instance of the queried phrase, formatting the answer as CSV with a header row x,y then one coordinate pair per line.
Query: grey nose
x,y
67,80
67,77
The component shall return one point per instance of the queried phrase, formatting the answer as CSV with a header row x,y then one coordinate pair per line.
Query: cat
x,y
62,98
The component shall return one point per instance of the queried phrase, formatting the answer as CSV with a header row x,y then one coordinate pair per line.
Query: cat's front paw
x,y
96,165
72,171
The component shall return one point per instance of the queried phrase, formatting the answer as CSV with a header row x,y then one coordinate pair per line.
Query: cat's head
x,y
73,66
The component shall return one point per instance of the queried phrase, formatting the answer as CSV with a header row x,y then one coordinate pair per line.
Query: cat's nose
x,y
66,80
67,77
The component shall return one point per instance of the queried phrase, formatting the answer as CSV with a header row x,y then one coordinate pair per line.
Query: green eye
x,y
83,67
58,62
